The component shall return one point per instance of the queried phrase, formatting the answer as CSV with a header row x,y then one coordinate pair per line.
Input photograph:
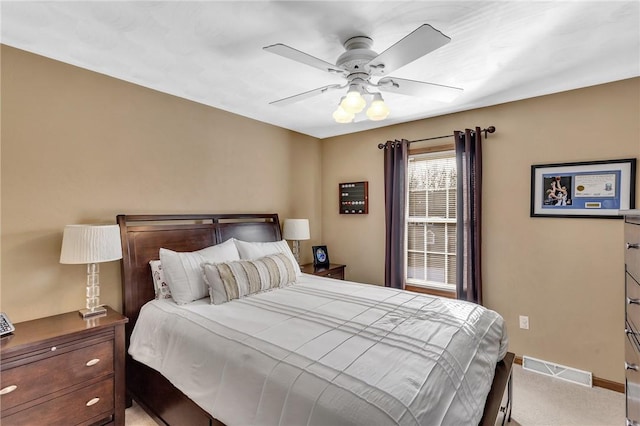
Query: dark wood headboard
x,y
143,235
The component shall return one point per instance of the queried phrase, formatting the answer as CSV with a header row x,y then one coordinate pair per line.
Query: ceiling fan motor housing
x,y
357,55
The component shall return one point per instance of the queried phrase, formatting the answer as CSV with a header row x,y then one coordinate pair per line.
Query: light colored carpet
x,y
538,401
136,416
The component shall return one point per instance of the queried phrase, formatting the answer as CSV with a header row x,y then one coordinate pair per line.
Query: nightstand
x,y
64,370
334,270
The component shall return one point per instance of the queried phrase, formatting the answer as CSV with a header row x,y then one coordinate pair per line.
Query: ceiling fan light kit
x,y
364,68
350,106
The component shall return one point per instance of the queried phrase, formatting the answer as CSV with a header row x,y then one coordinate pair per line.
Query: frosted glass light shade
x,y
83,244
353,102
296,229
378,109
342,116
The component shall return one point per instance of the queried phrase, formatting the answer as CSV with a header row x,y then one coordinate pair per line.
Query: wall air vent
x,y
547,368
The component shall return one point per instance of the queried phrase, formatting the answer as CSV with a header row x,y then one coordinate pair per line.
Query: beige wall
x,y
565,274
80,147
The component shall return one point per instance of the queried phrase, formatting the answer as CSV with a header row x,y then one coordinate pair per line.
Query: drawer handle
x,y
92,401
8,389
631,301
630,366
632,246
92,362
630,332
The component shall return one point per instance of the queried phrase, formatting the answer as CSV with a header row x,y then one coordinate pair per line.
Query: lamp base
x,y
296,251
96,312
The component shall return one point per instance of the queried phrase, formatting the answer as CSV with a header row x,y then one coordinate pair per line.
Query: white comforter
x,y
327,352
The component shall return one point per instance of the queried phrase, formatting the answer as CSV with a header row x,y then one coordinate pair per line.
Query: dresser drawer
x,y
632,301
632,376
631,254
82,407
632,346
48,375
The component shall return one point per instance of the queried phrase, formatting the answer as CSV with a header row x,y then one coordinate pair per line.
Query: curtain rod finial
x,y
488,130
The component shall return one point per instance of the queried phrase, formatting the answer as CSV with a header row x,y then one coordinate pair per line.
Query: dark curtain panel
x,y
469,225
396,156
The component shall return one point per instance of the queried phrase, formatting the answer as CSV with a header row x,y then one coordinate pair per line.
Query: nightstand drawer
x,y
55,372
337,274
84,406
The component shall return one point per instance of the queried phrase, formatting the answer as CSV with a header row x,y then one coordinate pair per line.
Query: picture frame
x,y
589,189
320,256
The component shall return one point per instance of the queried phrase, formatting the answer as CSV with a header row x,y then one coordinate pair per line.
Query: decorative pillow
x,y
183,270
253,250
159,282
233,280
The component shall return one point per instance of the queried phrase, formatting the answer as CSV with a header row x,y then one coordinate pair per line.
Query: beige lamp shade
x,y
84,244
296,229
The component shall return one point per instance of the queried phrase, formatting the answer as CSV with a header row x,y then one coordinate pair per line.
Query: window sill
x,y
430,291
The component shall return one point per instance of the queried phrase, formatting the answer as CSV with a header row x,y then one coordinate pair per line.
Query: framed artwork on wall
x,y
590,189
320,256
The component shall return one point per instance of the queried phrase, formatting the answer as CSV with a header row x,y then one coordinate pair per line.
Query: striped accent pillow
x,y
233,280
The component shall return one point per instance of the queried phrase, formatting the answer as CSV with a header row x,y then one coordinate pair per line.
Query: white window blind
x,y
431,220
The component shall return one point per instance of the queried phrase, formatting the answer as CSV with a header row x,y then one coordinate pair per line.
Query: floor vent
x,y
547,368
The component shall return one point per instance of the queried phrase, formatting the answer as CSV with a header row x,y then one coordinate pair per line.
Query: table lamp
x,y
91,245
296,230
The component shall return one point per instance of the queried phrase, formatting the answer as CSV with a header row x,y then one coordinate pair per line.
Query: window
x,y
431,220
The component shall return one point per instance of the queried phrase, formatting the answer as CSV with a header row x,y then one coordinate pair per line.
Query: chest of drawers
x,y
632,318
64,370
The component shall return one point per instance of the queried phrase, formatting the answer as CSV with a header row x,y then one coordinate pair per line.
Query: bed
x,y
312,384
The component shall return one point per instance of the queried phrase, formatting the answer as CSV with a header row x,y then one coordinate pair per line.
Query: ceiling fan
x,y
367,72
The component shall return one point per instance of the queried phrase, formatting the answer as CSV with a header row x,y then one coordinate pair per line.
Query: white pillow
x,y
159,282
253,250
183,270
234,280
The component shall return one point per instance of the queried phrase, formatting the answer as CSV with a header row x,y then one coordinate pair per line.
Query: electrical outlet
x,y
524,322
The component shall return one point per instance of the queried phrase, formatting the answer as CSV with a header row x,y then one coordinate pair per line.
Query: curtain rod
x,y
486,131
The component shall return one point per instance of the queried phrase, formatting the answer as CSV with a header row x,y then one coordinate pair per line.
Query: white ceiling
x,y
211,51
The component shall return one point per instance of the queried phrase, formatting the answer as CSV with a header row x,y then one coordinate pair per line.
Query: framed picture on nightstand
x,y
320,256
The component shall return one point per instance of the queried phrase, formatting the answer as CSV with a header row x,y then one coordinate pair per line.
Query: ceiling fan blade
x,y
306,95
298,56
433,91
421,41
